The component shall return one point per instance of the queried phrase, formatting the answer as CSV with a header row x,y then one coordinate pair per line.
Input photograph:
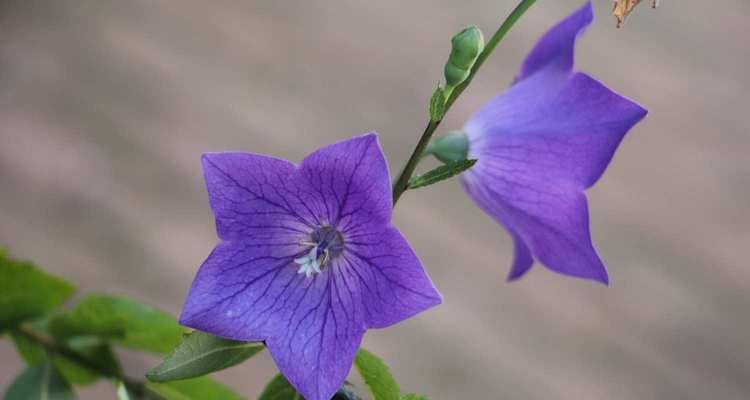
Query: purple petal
x,y
384,268
539,146
556,49
551,224
240,288
522,260
254,196
268,212
350,183
563,128
316,349
312,327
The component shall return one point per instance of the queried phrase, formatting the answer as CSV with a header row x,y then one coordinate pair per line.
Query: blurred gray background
x,y
106,106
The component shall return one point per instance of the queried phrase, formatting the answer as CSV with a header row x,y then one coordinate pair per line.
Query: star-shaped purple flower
x,y
308,259
540,144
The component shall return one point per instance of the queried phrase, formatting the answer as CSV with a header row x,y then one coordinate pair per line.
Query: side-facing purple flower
x,y
540,144
308,259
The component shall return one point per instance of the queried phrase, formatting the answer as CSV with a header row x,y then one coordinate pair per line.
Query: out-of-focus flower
x,y
623,8
308,259
539,145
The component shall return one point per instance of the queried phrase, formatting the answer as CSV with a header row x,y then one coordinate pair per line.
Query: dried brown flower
x,y
623,8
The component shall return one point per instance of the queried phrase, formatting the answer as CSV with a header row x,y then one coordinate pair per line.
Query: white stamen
x,y
308,264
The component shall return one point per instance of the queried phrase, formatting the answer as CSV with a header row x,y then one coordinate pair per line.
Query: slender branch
x,y
52,346
499,35
403,179
402,182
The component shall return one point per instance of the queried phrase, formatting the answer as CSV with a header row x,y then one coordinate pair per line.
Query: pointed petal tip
x,y
437,299
213,157
599,275
515,275
556,48
369,136
185,319
642,111
588,10
207,159
602,278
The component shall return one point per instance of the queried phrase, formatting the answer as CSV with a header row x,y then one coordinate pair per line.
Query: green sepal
x,y
27,292
440,173
122,320
437,104
377,376
453,146
201,353
41,381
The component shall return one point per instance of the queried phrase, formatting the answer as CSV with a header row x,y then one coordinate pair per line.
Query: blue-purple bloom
x,y
308,259
539,145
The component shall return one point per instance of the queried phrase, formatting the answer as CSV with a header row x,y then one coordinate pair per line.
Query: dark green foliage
x,y
27,292
42,382
95,351
125,321
201,353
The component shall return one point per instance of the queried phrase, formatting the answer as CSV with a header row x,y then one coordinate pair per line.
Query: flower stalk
x,y
402,182
52,346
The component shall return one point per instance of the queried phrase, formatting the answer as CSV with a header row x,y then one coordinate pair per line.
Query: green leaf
x,y
377,376
440,173
26,292
193,389
437,104
128,322
31,352
413,396
279,389
41,382
97,352
201,353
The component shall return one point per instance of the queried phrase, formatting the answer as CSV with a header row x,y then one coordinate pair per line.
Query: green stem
x,y
402,182
51,346
499,35
403,179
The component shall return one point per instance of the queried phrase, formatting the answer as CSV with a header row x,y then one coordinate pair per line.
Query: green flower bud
x,y
451,147
467,45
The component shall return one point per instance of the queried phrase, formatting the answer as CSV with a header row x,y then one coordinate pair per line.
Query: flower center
x,y
326,243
